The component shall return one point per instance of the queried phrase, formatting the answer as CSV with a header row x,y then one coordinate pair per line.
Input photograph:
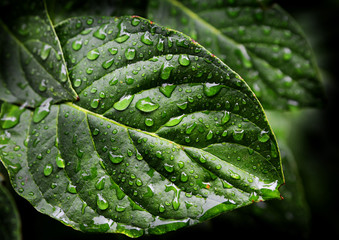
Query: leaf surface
x,y
32,66
164,135
262,43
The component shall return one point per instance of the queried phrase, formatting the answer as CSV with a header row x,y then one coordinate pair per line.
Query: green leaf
x,y
32,65
163,136
262,43
9,217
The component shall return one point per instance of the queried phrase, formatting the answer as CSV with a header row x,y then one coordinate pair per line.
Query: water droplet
x,y
100,184
238,134
160,45
11,116
71,188
45,50
161,208
93,54
122,38
77,82
234,175
48,169
183,177
129,79
95,103
149,122
263,136
184,60
182,106
119,208
226,117
113,50
190,128
169,168
209,135
146,38
43,85
101,202
167,89
60,162
174,121
135,21
115,158
123,103
130,53
42,111
138,182
108,63
287,55
211,89
146,105
76,45
166,69
100,33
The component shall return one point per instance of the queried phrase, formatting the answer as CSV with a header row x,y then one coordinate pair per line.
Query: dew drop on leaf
x,y
146,105
146,38
184,60
93,54
130,53
123,103
42,111
211,89
101,202
48,169
167,89
115,158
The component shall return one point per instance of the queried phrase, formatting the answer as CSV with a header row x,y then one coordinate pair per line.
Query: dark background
x,y
317,155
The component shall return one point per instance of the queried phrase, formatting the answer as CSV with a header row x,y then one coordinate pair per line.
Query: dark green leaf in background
x,y
164,135
10,224
259,41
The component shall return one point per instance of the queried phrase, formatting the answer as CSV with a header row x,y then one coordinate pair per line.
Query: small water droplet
x,y
108,63
287,55
60,162
71,188
166,70
95,103
238,134
209,135
135,22
183,177
149,122
48,169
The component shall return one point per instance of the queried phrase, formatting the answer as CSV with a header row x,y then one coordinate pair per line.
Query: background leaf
x,y
261,42
32,64
164,135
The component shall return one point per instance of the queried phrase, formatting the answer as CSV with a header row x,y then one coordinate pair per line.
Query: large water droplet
x,y
238,134
174,121
60,162
211,89
184,60
76,45
108,63
226,117
93,54
146,105
130,53
146,38
167,89
100,33
42,111
115,158
45,50
166,71
11,116
123,103
101,202
48,169
263,136
183,177
100,184
149,122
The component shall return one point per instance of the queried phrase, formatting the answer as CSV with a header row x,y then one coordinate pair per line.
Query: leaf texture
x,y
164,135
259,41
32,66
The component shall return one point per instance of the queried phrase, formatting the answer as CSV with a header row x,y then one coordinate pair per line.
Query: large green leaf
x,y
32,65
164,135
261,42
